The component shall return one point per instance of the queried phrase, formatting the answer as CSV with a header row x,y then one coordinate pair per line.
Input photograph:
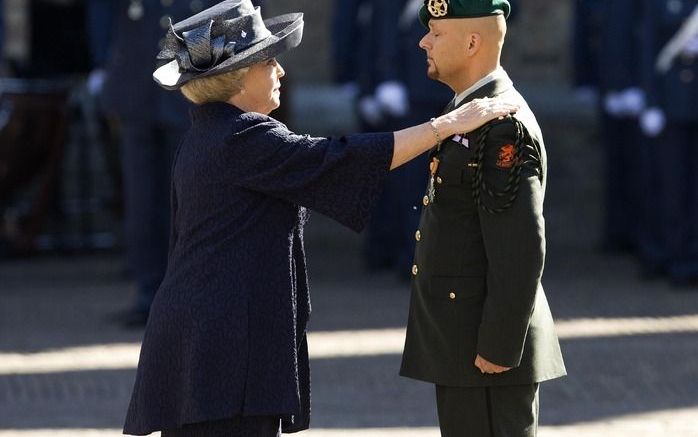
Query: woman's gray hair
x,y
218,88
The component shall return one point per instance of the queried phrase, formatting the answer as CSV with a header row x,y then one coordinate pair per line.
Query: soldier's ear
x,y
473,43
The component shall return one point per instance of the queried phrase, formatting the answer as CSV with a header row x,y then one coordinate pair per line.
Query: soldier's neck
x,y
473,74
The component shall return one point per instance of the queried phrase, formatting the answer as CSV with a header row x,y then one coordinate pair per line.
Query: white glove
x,y
392,98
633,101
370,111
652,122
95,81
613,104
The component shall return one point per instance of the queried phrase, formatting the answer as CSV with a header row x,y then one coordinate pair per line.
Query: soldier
x,y
623,101
672,120
151,123
479,325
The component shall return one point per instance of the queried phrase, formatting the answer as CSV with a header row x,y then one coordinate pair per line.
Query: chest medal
x,y
433,168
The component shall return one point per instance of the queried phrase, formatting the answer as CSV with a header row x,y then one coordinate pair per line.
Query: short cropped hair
x,y
217,88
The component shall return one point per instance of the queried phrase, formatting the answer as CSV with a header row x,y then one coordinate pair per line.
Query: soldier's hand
x,y
487,367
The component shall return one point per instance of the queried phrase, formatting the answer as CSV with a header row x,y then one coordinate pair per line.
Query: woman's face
x,y
261,88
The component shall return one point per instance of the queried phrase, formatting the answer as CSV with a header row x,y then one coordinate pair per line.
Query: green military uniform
x,y
476,285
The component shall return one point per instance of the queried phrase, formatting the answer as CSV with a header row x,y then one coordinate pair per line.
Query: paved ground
x,y
631,347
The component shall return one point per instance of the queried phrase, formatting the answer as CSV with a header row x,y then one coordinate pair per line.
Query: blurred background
x,y
86,142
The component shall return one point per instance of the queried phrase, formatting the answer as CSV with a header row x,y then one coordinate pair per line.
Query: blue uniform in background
x,y
618,64
125,35
674,162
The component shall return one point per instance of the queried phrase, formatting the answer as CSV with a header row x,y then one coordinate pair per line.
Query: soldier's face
x,y
445,50
262,87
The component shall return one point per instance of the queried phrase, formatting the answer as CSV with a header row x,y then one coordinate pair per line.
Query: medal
x,y
433,168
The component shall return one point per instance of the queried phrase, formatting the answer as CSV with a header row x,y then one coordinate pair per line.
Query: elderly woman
x,y
225,351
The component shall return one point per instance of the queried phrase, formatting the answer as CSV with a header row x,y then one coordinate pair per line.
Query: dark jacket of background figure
x,y
226,334
476,287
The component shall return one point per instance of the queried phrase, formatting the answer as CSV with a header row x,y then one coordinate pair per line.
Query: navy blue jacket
x,y
226,333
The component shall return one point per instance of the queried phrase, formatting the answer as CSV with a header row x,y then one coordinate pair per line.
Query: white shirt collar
x,y
498,73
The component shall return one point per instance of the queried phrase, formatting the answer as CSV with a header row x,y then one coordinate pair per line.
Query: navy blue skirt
x,y
239,426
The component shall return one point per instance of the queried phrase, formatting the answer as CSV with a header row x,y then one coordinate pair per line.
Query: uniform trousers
x,y
239,426
507,411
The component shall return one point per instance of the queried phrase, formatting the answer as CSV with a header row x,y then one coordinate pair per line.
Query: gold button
x,y
439,180
415,270
452,295
425,201
418,236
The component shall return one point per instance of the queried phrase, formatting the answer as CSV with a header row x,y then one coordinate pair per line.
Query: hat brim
x,y
286,33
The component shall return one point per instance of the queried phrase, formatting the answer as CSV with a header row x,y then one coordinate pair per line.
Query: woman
x,y
225,350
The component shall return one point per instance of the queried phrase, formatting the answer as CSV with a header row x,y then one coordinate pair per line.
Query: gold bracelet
x,y
435,131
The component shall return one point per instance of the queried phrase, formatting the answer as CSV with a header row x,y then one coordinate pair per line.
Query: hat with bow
x,y
225,37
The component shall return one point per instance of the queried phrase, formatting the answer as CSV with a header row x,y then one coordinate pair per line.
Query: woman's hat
x,y
226,37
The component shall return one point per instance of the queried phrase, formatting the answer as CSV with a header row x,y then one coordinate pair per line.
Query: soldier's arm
x,y
515,247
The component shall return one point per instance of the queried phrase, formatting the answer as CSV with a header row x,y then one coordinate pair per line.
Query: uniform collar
x,y
498,75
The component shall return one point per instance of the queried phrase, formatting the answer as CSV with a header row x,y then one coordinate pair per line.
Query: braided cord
x,y
525,154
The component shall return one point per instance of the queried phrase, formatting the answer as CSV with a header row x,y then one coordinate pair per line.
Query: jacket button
x,y
425,201
418,236
439,180
165,21
415,270
452,295
166,3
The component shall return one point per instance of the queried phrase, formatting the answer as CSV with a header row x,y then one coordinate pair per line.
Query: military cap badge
x,y
437,8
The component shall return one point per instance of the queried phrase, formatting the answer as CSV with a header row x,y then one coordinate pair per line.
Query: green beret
x,y
435,9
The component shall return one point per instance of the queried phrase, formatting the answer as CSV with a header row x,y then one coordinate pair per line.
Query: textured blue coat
x,y
226,333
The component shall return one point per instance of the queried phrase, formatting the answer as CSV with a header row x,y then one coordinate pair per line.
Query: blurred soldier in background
x,y
672,119
586,47
392,92
151,123
622,100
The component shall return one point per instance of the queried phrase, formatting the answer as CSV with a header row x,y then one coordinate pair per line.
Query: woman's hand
x,y
474,114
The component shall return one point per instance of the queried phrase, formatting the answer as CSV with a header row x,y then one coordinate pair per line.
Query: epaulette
x,y
524,154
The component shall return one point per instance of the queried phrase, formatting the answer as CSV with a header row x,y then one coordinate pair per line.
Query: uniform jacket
x,y
675,91
226,332
476,286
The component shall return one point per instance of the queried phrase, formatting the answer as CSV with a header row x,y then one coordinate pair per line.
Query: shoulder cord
x,y
525,154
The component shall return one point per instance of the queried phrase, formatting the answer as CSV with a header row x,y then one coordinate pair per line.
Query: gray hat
x,y
226,37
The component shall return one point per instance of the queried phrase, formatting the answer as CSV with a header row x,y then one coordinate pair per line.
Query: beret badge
x,y
437,8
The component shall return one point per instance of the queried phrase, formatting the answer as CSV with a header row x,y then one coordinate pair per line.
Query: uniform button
x,y
439,180
415,270
425,201
452,295
166,3
687,76
165,21
418,236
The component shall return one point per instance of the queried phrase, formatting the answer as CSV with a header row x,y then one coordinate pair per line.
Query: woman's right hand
x,y
476,113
